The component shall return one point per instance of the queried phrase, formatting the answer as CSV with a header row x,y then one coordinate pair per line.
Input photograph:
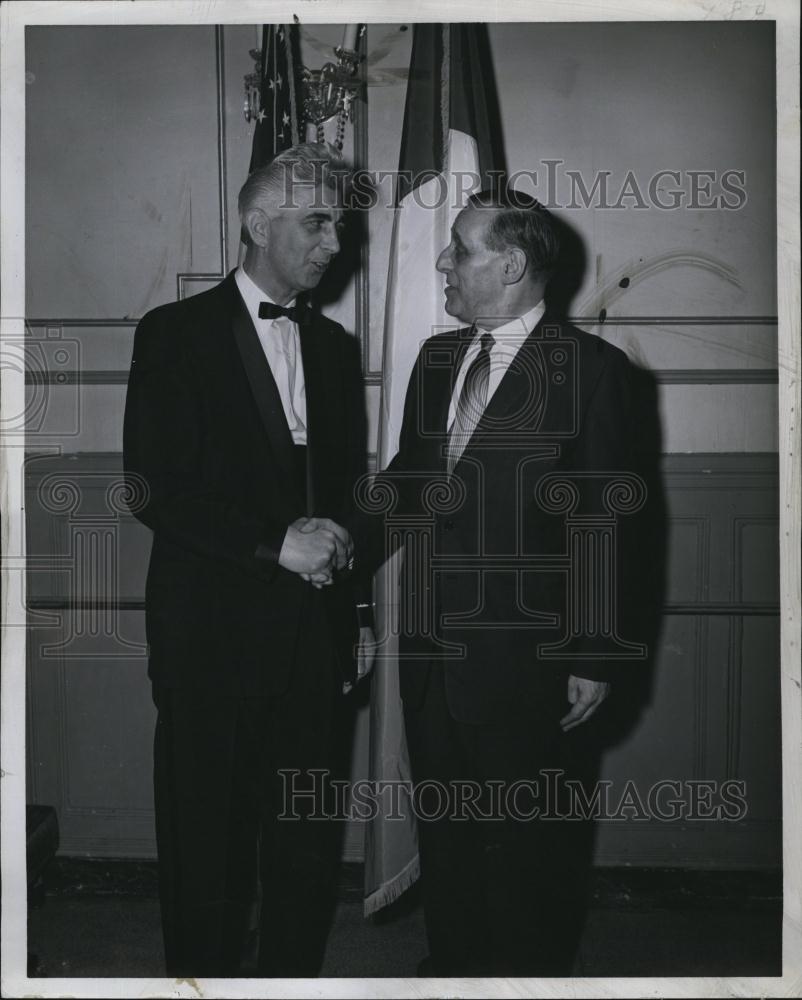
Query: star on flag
x,y
277,121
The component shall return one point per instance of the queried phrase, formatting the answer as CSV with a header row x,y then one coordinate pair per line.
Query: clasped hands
x,y
315,548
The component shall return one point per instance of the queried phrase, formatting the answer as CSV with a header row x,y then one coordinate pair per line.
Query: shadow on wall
x,y
641,590
642,586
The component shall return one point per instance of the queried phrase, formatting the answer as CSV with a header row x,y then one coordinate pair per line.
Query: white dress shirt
x,y
507,342
282,346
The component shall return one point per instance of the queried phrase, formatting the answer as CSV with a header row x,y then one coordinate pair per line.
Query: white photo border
x,y
13,19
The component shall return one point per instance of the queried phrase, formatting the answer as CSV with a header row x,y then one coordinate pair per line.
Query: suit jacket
x,y
480,605
210,462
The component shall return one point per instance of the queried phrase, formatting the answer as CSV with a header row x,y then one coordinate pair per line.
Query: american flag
x,y
277,121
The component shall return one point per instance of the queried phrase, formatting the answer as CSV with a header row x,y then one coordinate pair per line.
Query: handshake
x,y
316,547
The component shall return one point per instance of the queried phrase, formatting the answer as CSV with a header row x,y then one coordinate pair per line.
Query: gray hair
x,y
271,187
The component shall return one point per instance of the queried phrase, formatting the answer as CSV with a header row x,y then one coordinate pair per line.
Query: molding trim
x,y
663,376
183,278
585,320
84,604
734,609
78,321
715,376
734,697
674,320
77,378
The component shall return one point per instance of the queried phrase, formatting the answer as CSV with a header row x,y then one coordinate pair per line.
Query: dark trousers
x,y
503,895
222,840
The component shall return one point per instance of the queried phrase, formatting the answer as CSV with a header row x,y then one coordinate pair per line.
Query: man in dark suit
x,y
508,423
244,433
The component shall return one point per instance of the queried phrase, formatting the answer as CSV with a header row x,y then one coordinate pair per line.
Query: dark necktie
x,y
269,310
471,403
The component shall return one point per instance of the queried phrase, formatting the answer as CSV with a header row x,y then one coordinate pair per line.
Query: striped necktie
x,y
471,403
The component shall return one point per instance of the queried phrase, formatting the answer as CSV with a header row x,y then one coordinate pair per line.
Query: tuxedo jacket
x,y
479,594
211,469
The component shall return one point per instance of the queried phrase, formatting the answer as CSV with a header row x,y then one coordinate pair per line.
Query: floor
x,y
640,923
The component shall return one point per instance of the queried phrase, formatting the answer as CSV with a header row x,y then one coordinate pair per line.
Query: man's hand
x,y
585,696
310,551
345,545
344,549
366,655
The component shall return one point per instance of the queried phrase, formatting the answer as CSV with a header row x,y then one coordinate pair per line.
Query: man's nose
x,y
331,241
444,261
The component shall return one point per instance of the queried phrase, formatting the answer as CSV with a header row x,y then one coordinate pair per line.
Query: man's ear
x,y
257,223
514,267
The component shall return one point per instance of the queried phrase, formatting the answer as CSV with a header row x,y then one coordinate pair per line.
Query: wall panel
x,y
713,712
129,115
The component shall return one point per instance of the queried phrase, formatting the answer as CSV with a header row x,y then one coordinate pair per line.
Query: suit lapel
x,y
325,416
557,352
316,387
264,390
441,364
523,385
535,393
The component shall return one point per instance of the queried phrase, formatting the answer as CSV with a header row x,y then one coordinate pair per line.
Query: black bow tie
x,y
269,310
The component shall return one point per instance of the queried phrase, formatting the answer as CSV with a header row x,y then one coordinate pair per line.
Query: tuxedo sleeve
x,y
356,451
371,542
163,442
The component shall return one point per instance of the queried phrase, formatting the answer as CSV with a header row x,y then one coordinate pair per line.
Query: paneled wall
x,y
138,207
711,711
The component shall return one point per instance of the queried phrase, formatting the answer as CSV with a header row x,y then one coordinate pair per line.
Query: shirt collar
x,y
515,332
252,294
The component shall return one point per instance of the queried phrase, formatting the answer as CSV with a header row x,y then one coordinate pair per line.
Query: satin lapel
x,y
324,416
265,392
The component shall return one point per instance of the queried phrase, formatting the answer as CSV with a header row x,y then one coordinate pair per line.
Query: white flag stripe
x,y
415,297
415,310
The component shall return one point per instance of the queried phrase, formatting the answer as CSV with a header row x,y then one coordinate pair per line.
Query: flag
x,y
450,147
277,125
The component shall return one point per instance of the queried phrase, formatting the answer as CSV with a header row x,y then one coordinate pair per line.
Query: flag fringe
x,y
388,892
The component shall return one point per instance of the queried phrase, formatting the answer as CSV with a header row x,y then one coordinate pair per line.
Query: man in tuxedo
x,y
502,420
244,433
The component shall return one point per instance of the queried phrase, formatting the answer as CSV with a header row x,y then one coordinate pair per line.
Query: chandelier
x,y
327,92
